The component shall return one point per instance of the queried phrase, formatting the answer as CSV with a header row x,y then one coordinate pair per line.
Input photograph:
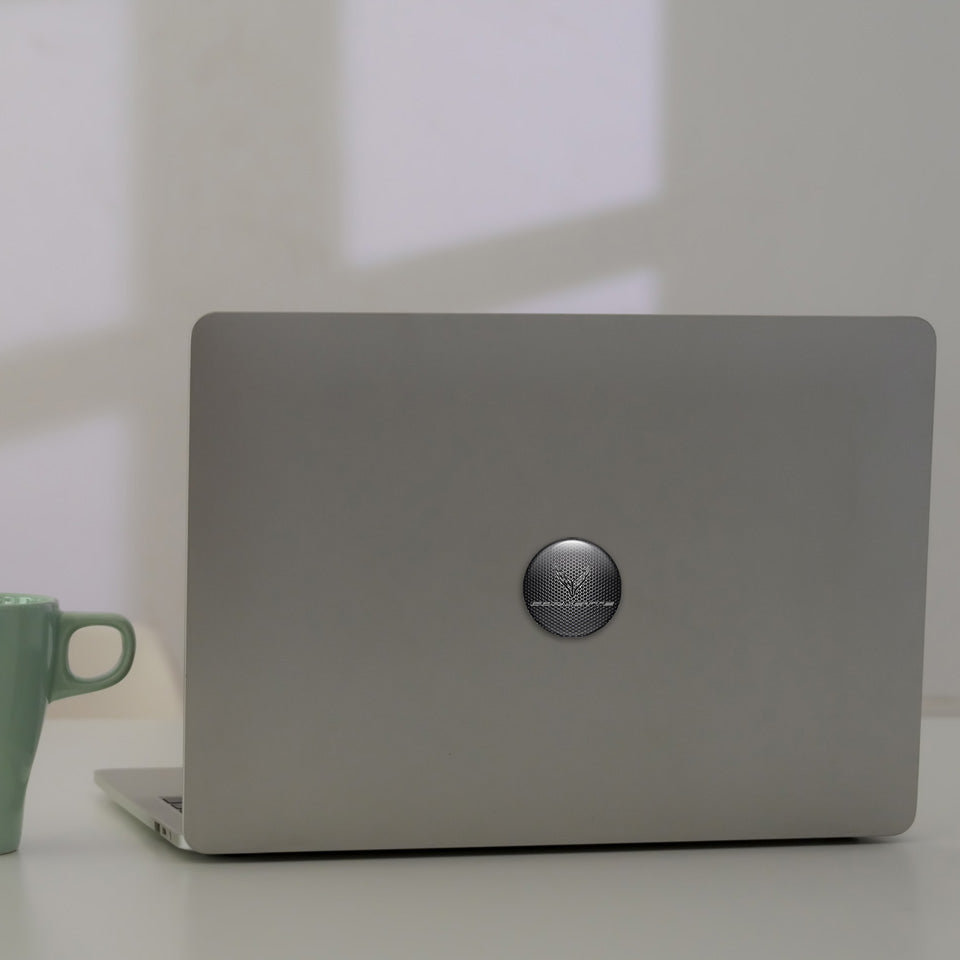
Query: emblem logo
x,y
569,584
572,588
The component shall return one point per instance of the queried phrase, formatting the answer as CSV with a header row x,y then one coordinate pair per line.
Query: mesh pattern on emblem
x,y
572,588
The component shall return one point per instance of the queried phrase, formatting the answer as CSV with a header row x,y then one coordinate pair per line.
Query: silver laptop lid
x,y
372,662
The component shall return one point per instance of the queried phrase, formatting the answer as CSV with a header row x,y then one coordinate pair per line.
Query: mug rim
x,y
14,600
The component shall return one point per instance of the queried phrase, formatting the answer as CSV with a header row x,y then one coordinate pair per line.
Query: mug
x,y
34,670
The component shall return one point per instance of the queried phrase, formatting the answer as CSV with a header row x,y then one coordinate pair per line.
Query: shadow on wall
x,y
355,158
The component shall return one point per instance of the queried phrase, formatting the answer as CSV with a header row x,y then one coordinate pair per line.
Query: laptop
x,y
489,581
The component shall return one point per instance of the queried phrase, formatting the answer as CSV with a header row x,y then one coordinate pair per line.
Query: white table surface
x,y
89,881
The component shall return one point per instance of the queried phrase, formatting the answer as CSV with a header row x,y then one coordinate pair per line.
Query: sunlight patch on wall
x,y
63,514
637,292
64,88
467,120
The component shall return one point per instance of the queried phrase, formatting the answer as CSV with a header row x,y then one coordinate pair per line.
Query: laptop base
x,y
144,793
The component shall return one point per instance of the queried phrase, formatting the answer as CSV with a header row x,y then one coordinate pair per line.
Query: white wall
x,y
165,158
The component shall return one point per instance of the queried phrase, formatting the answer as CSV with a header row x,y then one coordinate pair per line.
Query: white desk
x,y
89,881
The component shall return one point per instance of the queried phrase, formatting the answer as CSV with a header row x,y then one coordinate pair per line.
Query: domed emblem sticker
x,y
572,588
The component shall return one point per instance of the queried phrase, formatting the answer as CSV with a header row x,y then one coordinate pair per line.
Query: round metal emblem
x,y
572,588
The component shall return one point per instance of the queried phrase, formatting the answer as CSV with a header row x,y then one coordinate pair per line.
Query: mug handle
x,y
63,682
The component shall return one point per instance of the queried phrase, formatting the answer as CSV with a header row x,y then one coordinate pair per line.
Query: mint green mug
x,y
34,670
